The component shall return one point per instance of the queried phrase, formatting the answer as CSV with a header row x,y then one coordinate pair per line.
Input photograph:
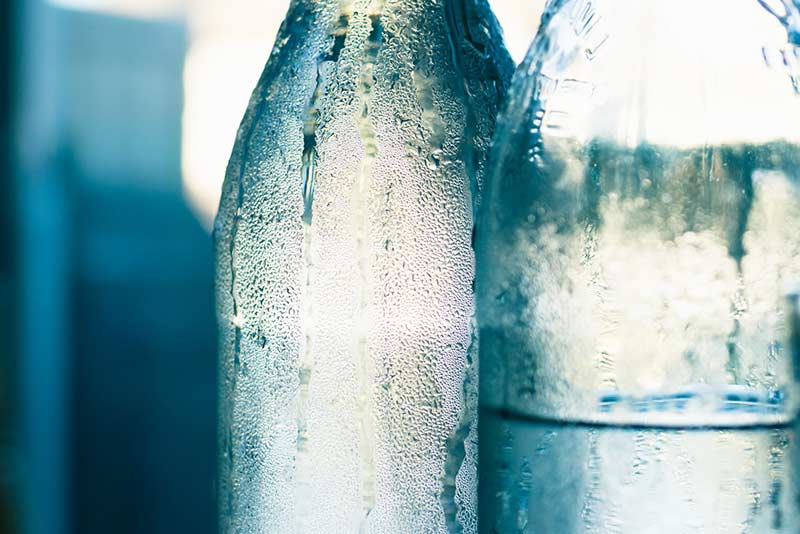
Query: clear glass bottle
x,y
637,251
640,233
348,401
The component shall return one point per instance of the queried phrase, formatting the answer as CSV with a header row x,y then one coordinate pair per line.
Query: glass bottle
x,y
639,240
348,401
637,251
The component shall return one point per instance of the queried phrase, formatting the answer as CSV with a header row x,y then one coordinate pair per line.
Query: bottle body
x,y
639,245
638,254
347,401
571,479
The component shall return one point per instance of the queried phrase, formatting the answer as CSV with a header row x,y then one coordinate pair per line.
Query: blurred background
x,y
116,121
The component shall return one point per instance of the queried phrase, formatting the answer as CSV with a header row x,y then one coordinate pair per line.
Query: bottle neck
x,y
683,72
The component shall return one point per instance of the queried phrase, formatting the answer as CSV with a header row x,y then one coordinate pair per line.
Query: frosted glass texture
x,y
639,250
565,479
348,396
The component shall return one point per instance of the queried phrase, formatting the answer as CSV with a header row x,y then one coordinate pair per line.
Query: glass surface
x,y
348,398
639,246
549,478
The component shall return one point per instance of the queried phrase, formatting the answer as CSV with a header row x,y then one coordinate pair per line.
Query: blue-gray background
x,y
107,281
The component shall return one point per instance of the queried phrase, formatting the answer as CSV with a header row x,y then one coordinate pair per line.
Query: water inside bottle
x,y
645,285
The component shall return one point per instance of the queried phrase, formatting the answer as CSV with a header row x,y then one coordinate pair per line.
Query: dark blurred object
x,y
118,336
8,322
